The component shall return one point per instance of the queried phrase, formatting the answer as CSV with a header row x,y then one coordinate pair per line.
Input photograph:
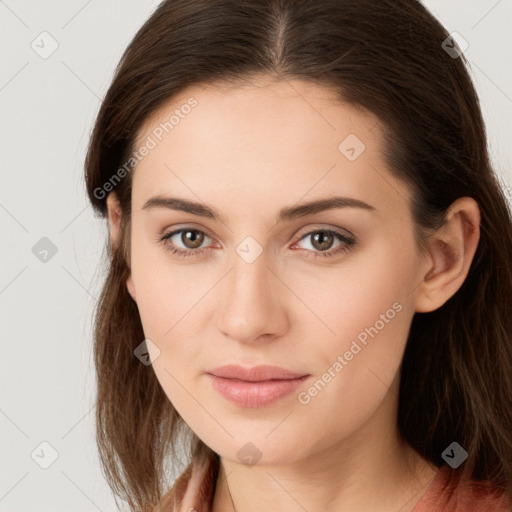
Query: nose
x,y
254,307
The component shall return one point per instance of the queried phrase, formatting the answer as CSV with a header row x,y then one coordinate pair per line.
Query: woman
x,y
309,280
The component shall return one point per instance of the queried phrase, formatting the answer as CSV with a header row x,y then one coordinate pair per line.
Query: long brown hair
x,y
388,57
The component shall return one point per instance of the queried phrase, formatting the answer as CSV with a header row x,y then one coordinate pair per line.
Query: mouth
x,y
256,387
255,374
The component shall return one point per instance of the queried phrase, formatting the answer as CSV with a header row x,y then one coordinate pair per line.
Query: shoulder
x,y
484,497
445,494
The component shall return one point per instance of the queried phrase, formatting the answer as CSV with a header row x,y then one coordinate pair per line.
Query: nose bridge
x,y
250,308
250,273
249,282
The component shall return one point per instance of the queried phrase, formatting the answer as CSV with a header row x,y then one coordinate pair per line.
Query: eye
x,y
322,241
192,239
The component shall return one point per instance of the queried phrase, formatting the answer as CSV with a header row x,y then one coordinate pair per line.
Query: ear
x,y
451,252
115,232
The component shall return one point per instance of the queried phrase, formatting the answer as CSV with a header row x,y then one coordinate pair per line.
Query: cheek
x,y
352,296
164,289
367,309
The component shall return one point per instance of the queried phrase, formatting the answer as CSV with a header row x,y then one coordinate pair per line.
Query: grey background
x,y
47,107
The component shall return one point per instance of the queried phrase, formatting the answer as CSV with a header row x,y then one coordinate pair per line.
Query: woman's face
x,y
253,290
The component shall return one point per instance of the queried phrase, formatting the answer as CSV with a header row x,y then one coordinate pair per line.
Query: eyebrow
x,y
285,214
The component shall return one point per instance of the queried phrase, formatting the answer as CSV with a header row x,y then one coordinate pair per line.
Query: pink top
x,y
193,491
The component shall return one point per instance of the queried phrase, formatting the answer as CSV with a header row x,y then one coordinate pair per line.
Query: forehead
x,y
263,139
246,107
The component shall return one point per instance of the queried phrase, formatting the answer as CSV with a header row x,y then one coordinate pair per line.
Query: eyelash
x,y
183,253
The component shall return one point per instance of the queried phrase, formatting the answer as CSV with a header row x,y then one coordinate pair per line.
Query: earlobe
x,y
451,252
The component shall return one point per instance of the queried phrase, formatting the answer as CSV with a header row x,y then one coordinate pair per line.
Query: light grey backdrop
x,y
58,58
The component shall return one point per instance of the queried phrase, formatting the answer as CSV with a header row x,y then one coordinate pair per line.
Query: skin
x,y
249,151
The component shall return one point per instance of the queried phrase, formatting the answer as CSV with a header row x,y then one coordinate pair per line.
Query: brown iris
x,y
192,237
322,241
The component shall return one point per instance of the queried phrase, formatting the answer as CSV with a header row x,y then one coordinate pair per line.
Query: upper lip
x,y
257,373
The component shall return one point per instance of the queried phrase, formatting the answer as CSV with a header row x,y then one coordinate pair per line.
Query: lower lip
x,y
255,394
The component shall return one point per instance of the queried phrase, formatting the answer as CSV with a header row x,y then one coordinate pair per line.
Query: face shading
x,y
266,230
